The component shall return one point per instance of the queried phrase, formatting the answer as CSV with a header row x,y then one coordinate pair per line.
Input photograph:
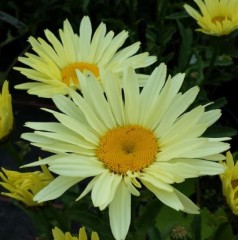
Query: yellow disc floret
x,y
127,148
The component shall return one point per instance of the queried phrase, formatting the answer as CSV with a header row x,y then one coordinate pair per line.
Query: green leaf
x,y
224,232
148,216
219,103
168,218
185,49
211,221
196,228
187,187
220,131
177,15
91,218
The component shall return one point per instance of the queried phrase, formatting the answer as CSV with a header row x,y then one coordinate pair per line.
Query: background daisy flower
x,y
59,235
53,68
126,140
230,182
6,114
24,186
217,17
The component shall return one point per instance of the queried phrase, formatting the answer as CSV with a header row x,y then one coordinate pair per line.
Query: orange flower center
x,y
69,76
127,148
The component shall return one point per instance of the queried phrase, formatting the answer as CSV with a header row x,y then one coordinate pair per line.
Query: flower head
x,y
53,68
59,235
217,17
24,186
124,140
6,114
230,183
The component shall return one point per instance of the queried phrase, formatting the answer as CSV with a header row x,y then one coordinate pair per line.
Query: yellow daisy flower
x,y
6,114
24,186
217,17
123,140
59,235
54,67
230,183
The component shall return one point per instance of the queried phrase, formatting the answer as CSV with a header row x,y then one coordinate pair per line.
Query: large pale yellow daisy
x,y
123,140
53,67
216,17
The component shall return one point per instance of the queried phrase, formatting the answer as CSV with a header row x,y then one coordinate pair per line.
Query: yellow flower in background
x,y
216,17
230,183
59,235
24,186
122,140
53,68
6,114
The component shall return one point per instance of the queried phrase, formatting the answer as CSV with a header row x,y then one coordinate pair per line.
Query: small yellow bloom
x,y
6,115
217,18
59,235
230,183
24,186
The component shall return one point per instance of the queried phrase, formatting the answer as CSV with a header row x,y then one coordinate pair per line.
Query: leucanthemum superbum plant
x,y
123,139
53,67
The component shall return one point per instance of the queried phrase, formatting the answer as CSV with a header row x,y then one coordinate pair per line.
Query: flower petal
x,y
56,188
120,212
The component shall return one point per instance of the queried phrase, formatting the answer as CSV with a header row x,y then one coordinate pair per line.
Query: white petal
x,y
151,180
164,100
68,39
103,44
76,126
104,189
131,93
112,88
183,148
120,212
68,107
56,188
98,38
85,33
76,166
173,199
202,167
88,188
114,45
149,93
57,146
188,205
210,117
130,186
207,149
44,160
124,54
94,95
92,117
177,107
58,47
